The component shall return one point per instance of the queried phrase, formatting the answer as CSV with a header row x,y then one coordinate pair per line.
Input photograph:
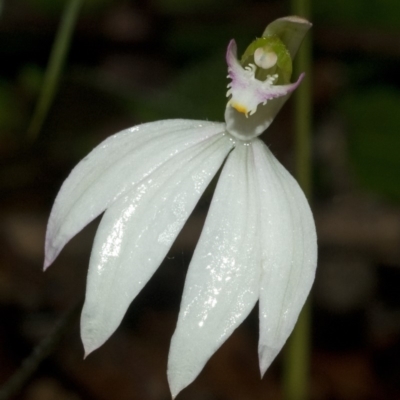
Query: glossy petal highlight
x,y
222,284
112,169
289,252
137,231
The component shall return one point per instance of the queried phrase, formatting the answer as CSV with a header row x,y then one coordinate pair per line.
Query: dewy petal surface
x,y
289,252
112,169
222,284
137,231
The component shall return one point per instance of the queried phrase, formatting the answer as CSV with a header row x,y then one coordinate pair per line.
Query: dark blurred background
x,y
144,60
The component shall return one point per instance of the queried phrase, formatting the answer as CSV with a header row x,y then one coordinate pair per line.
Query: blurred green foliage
x,y
9,109
194,36
374,138
55,66
192,6
55,7
363,13
198,93
199,39
30,79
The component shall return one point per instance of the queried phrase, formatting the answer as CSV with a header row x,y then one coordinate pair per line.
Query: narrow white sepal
x,y
222,284
112,169
289,252
137,231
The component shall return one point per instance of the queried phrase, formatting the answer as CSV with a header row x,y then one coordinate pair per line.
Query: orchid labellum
x,y
258,242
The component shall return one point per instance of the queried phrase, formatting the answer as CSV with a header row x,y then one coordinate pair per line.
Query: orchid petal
x,y
222,284
137,231
235,69
112,168
289,252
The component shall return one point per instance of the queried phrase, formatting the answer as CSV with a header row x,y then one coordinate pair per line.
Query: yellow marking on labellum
x,y
242,109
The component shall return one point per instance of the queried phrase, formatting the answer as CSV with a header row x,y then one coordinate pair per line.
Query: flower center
x,y
270,57
260,84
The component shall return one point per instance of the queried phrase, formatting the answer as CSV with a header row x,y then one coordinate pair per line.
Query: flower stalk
x,y
28,367
298,349
56,62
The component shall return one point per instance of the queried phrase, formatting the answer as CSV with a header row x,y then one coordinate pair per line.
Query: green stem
x,y
30,364
298,348
303,105
297,359
56,62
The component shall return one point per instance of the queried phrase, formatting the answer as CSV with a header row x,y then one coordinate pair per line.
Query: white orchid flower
x,y
258,242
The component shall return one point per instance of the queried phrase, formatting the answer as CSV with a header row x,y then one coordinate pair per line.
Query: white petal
x,y
289,252
112,168
223,279
137,231
275,91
